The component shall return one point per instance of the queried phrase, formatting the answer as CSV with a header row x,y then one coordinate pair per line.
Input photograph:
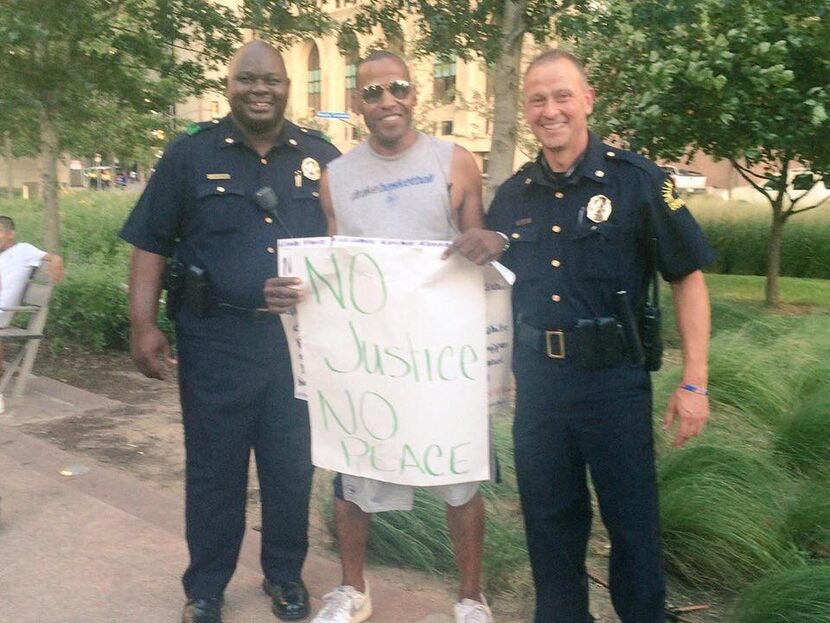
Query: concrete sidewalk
x,y
100,546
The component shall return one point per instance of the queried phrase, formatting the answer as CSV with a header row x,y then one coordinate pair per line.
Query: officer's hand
x,y
480,246
691,410
150,351
282,294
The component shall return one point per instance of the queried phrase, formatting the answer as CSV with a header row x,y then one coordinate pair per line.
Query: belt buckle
x,y
560,335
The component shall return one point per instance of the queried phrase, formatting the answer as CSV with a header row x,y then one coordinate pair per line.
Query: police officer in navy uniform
x,y
217,203
584,222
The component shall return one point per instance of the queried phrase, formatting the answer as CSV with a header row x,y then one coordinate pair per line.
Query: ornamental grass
x,y
799,595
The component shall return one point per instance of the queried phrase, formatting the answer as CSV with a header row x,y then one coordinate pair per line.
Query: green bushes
x,y
799,595
90,308
739,232
719,508
804,439
807,523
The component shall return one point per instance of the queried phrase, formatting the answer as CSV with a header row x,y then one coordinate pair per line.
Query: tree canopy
x,y
116,67
743,80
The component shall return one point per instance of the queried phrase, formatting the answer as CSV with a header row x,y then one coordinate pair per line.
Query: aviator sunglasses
x,y
372,93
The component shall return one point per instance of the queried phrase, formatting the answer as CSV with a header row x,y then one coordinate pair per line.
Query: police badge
x,y
311,169
598,209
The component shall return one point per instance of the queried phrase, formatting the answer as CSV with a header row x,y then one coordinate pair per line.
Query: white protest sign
x,y
394,356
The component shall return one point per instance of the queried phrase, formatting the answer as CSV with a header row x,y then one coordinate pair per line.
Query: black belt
x,y
593,343
248,313
552,342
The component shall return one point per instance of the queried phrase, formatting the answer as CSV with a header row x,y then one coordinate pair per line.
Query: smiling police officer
x,y
586,223
217,203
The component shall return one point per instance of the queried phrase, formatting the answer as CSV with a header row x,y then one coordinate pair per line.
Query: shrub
x,y
800,595
804,439
90,307
739,231
807,523
720,506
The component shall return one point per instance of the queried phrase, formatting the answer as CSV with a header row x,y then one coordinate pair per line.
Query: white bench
x,y
34,305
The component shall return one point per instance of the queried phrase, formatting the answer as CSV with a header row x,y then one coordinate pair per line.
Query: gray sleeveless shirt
x,y
405,196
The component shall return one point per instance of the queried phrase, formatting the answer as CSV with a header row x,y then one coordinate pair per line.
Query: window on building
x,y
443,86
351,79
485,161
446,127
315,85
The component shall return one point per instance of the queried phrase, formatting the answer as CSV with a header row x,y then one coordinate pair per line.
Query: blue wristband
x,y
694,389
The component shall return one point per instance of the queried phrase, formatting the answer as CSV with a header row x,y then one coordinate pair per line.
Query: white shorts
x,y
375,496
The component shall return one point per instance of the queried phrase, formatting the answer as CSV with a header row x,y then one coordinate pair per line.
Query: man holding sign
x,y
410,186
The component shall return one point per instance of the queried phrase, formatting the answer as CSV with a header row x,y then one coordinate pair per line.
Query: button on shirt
x,y
578,240
200,204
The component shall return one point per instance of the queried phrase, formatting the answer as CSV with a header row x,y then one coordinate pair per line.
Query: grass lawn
x,y
750,289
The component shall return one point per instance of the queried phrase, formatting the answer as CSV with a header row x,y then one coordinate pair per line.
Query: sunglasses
x,y
398,89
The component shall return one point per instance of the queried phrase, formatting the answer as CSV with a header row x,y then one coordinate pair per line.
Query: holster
x,y
197,291
173,282
187,285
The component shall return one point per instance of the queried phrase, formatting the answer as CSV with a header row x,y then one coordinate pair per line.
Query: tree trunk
x,y
49,178
505,98
774,256
7,151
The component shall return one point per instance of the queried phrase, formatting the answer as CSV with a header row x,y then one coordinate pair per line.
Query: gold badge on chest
x,y
598,209
311,169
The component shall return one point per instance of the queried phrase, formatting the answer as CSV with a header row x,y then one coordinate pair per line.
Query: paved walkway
x,y
98,546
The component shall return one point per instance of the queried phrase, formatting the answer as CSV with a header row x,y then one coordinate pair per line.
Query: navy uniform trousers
x,y
567,418
237,394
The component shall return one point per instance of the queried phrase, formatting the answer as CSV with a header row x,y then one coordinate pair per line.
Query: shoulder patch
x,y
671,197
195,128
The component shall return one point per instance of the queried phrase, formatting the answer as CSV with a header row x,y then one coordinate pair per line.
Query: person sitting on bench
x,y
17,260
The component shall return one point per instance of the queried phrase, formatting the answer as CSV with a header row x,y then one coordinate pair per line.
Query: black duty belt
x,y
552,342
593,343
248,313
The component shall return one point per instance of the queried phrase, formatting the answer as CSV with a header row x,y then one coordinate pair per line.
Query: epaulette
x,y
315,133
522,168
195,128
641,162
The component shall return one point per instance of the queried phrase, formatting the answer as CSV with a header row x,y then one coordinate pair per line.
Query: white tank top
x,y
405,196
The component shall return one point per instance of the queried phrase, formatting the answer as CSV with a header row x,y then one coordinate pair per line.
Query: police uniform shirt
x,y
577,240
200,204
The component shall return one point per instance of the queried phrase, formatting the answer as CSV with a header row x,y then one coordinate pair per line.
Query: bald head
x,y
257,89
257,49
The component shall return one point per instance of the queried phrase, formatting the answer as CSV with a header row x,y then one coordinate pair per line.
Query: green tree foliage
x,y
488,30
744,80
283,23
70,61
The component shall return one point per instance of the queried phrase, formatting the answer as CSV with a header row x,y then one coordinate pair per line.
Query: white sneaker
x,y
472,611
345,604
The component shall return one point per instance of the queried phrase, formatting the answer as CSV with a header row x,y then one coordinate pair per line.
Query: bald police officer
x,y
217,203
585,221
